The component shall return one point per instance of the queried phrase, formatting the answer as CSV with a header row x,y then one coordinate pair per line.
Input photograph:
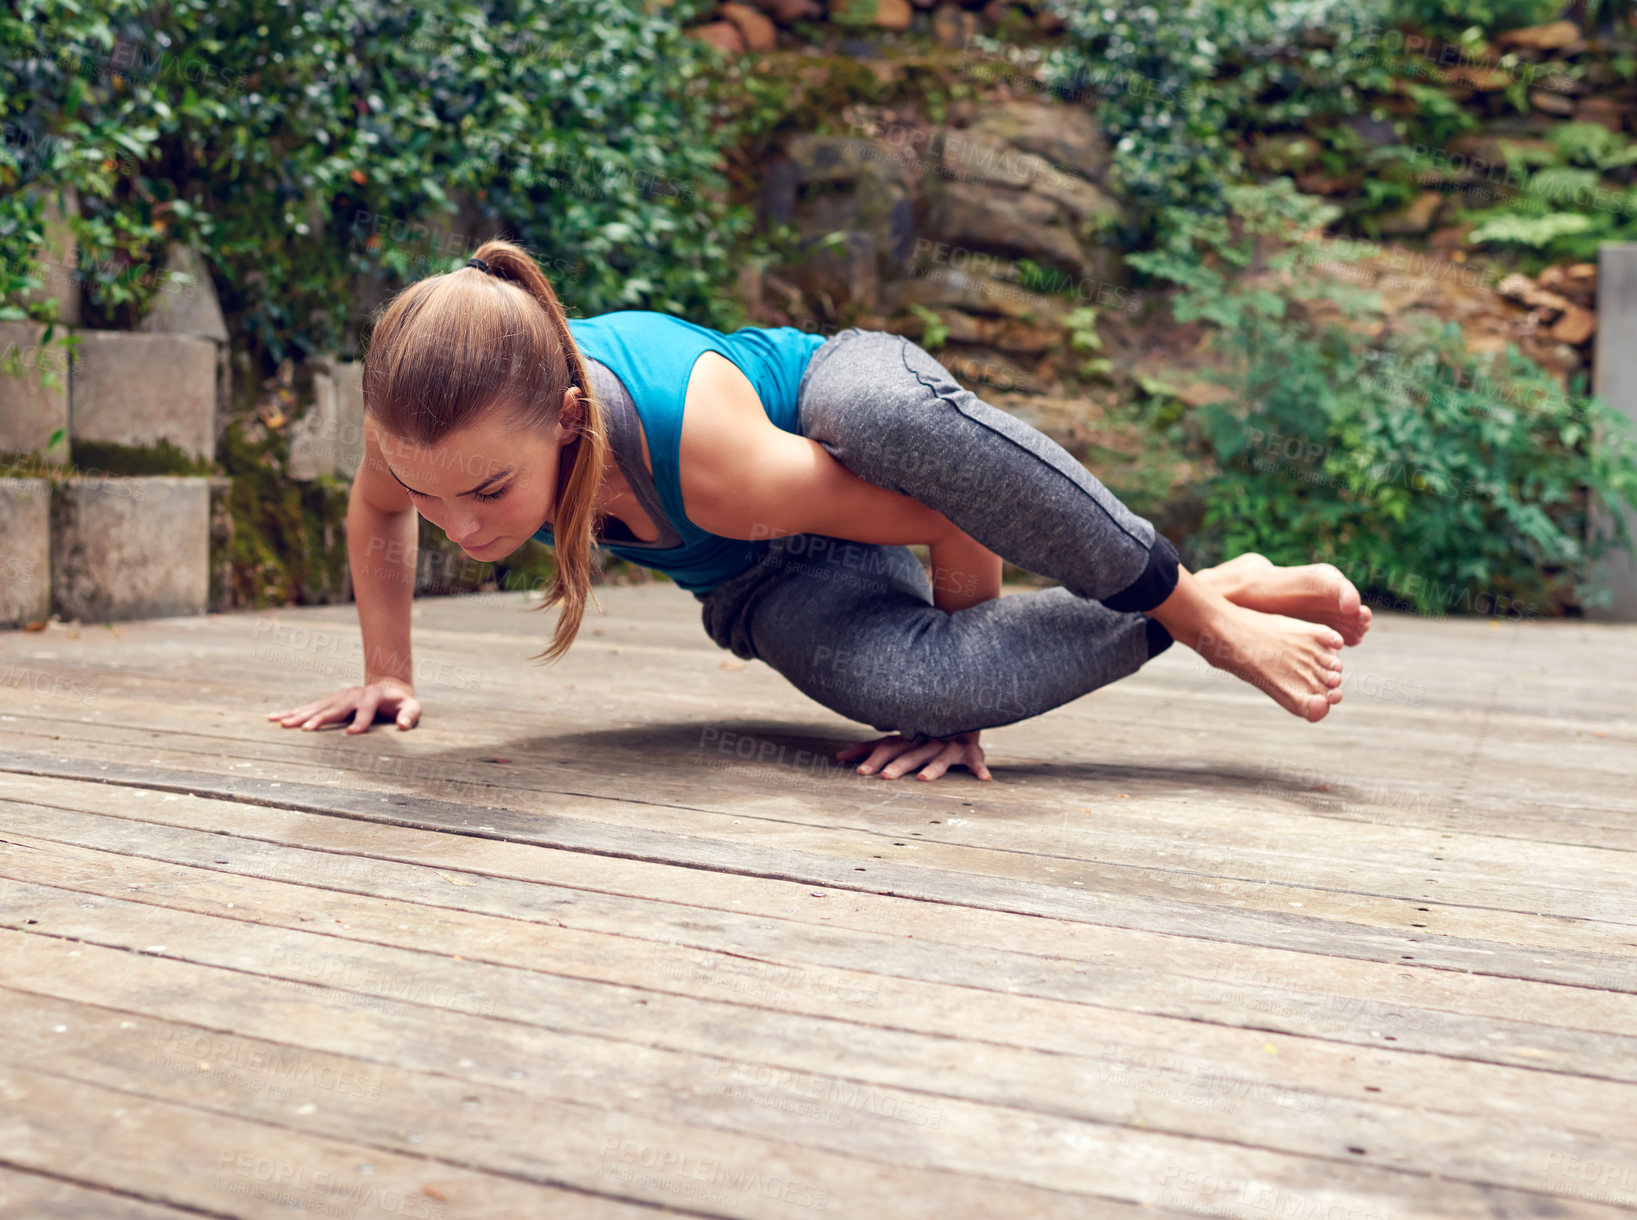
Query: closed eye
x,y
476,495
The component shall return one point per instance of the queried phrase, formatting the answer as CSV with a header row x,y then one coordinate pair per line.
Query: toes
x,y
1317,708
1331,678
1348,600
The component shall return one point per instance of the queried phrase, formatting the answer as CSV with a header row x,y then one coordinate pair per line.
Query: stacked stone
x,y
78,542
739,27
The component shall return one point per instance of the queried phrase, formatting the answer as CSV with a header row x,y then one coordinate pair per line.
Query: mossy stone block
x,y
138,390
130,548
25,551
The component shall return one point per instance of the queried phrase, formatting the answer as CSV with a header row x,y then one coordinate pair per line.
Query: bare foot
x,y
1314,592
1298,664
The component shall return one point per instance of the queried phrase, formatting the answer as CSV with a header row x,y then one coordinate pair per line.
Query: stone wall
x,y
108,443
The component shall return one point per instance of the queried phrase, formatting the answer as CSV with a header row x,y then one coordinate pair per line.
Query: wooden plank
x,y
214,1163
513,1130
1579,950
825,964
995,1142
1195,1060
1325,1072
35,1196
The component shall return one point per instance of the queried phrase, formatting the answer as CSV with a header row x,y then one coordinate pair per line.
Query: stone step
x,y
138,390
130,548
329,439
31,411
25,551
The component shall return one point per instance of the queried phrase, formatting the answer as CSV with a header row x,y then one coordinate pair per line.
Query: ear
x,y
573,413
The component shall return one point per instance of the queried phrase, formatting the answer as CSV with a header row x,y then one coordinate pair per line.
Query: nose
x,y
463,529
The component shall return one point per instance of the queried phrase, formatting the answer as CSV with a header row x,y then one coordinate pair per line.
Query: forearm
x,y
964,572
381,551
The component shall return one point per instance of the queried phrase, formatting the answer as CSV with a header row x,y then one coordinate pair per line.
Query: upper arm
x,y
743,476
374,482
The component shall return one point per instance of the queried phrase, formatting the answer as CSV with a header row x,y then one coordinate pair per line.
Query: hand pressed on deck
x,y
385,697
897,755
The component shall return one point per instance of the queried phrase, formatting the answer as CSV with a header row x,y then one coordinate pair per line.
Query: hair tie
x,y
480,265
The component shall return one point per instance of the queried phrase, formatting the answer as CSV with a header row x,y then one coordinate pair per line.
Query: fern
x,y
1531,230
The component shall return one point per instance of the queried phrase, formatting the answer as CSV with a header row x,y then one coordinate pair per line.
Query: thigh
x,y
891,413
853,627
833,622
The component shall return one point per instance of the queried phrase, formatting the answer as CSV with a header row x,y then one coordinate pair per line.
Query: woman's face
x,y
488,486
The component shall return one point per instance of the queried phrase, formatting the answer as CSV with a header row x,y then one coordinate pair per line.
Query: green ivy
x,y
1178,85
322,154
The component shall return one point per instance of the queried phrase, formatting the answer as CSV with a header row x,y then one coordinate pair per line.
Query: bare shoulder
x,y
725,432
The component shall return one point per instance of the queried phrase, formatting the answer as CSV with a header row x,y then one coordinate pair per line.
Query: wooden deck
x,y
616,939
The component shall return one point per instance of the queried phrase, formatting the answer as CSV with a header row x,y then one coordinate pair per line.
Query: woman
x,y
778,476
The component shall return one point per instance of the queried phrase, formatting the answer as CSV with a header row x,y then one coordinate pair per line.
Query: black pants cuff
x,y
1159,639
1157,582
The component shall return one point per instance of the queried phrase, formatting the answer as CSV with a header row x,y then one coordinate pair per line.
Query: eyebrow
x,y
486,482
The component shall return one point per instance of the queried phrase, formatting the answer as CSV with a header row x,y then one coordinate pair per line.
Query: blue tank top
x,y
653,355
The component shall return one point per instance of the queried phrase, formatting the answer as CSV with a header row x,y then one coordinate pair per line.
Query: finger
x,y
858,749
885,749
409,715
880,757
329,713
912,759
365,716
892,748
946,758
298,714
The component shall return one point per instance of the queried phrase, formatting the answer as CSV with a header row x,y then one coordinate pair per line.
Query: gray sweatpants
x,y
853,626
